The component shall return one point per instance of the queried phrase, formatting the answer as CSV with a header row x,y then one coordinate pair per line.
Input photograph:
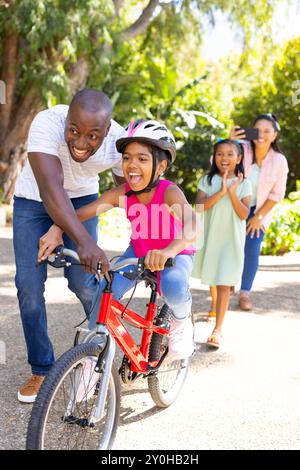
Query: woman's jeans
x,y
252,252
30,222
174,286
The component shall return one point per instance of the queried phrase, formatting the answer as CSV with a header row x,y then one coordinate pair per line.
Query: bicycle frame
x,y
110,310
110,313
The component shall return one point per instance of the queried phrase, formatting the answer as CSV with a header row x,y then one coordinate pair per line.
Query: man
x,y
67,147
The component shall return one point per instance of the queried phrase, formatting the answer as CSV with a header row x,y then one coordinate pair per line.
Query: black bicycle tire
x,y
156,340
49,387
158,396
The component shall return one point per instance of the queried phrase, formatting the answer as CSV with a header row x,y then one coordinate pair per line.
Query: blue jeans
x,y
174,286
30,222
252,252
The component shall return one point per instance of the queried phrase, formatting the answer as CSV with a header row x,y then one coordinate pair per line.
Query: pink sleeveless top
x,y
153,227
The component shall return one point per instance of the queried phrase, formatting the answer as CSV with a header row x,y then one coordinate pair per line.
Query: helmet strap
x,y
152,184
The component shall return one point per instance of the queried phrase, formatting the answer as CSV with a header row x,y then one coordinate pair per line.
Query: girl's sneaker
x,y
181,343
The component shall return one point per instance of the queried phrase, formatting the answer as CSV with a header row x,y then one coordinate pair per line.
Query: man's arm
x,y
108,200
48,173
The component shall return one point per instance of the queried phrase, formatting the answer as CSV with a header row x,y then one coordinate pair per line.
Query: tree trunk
x,y
141,24
78,73
8,76
17,113
12,143
13,169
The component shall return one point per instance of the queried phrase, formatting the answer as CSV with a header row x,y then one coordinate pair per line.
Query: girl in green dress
x,y
224,194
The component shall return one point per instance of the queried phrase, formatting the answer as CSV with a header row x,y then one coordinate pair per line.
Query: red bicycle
x,y
78,404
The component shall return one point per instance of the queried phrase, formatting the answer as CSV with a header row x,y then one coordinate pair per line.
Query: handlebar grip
x,y
170,263
59,249
62,251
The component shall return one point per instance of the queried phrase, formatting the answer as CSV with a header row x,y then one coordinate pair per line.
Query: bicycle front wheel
x,y
63,415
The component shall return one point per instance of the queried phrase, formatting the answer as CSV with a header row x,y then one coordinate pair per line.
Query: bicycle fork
x,y
103,366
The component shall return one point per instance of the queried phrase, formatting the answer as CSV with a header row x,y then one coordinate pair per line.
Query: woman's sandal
x,y
214,340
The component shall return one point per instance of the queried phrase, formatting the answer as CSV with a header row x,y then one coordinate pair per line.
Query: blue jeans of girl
x,y
30,222
252,252
174,285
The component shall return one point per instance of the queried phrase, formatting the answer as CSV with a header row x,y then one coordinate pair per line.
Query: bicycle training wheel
x,y
62,416
165,384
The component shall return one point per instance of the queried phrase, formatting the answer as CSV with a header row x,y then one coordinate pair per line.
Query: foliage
x,y
53,33
114,224
154,71
278,91
283,234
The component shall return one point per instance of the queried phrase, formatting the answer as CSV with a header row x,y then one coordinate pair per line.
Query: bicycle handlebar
x,y
115,266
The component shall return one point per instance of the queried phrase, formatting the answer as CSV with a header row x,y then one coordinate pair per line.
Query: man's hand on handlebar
x,y
89,252
49,241
91,256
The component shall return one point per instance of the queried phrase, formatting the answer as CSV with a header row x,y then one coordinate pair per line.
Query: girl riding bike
x,y
163,225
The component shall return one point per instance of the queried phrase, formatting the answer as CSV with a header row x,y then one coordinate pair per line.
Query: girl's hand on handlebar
x,y
49,241
155,259
237,133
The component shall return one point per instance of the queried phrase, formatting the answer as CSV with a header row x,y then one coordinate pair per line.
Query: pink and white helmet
x,y
149,132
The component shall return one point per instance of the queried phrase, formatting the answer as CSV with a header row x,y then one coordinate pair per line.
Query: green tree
x,y
50,49
139,52
278,92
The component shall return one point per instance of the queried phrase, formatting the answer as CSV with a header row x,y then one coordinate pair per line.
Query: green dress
x,y
220,260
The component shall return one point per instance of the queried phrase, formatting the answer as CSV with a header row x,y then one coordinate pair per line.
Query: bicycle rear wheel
x,y
62,415
165,384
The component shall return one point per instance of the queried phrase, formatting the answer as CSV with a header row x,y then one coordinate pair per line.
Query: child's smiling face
x,y
227,158
137,165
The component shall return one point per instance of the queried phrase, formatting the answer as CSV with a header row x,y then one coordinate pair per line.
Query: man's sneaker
x,y
28,392
181,343
87,381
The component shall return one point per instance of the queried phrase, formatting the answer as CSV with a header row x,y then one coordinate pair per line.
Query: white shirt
x,y
254,178
46,135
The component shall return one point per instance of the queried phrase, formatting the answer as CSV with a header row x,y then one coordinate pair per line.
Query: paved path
x,y
243,396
